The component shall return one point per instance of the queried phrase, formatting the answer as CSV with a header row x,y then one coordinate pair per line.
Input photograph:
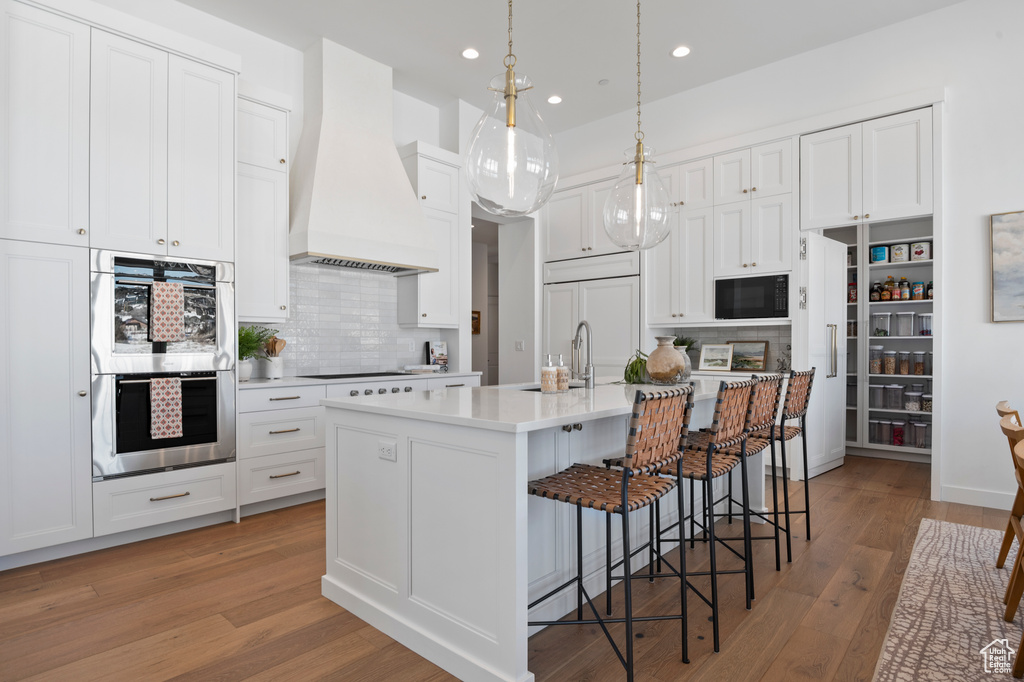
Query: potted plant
x,y
251,341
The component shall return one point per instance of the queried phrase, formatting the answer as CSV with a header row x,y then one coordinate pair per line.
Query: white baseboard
x,y
978,498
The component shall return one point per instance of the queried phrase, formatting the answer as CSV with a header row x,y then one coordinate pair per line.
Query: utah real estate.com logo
x,y
998,656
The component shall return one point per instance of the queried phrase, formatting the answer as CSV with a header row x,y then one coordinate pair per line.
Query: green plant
x,y
636,369
685,341
251,340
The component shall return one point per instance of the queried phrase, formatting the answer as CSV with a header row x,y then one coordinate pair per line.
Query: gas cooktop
x,y
353,375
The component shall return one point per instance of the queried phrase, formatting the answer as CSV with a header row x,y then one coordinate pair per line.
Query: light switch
x,y
520,345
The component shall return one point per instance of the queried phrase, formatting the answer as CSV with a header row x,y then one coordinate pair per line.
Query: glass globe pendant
x,y
636,211
512,164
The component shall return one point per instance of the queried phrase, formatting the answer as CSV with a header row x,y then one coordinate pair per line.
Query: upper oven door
x,y
121,296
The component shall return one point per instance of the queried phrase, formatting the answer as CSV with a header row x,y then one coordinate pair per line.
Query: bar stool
x,y
1014,432
653,443
1003,409
798,393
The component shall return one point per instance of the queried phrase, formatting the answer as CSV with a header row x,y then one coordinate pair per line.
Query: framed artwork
x,y
749,356
476,321
716,357
1008,267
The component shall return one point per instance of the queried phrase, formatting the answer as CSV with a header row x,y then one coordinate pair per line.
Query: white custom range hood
x,y
353,205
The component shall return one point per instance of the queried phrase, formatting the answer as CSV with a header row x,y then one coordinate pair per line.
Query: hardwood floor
x,y
242,601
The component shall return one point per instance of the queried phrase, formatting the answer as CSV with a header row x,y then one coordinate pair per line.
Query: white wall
x,y
974,50
480,294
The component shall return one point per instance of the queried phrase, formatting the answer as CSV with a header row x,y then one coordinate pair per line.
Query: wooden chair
x,y
653,443
1003,409
1017,580
1014,433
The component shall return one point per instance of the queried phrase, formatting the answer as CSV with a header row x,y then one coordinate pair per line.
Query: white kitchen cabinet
x,y
441,382
765,170
872,171
262,265
45,451
44,127
431,300
574,223
678,273
754,238
690,185
128,150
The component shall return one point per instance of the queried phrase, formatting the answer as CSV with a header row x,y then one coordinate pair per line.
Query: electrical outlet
x,y
412,346
520,345
387,449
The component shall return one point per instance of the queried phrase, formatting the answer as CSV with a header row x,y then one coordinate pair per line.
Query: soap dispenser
x,y
548,376
563,375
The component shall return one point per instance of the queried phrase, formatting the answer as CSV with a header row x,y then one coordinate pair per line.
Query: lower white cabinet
x,y
45,444
272,476
122,504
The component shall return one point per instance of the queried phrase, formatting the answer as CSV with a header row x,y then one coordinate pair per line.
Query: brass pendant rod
x,y
639,136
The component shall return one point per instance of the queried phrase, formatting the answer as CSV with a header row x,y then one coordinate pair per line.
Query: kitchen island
x,y
432,537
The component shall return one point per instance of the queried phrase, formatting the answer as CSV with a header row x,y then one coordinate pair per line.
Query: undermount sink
x,y
536,389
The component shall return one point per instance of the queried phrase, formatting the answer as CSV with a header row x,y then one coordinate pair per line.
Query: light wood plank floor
x,y
234,602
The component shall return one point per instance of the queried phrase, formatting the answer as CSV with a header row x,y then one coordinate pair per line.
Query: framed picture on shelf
x,y
749,356
476,321
1007,267
716,357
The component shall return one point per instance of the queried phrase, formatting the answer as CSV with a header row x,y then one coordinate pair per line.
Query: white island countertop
x,y
510,408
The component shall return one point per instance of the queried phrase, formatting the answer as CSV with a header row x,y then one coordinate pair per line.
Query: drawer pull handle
x,y
169,497
291,397
453,385
286,430
294,473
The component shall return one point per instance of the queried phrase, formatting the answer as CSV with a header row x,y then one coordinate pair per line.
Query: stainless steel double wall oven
x,y
124,360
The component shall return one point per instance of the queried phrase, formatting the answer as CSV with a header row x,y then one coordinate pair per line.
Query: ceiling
x,y
566,46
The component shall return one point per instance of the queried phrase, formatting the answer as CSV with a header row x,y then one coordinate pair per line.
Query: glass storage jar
x,y
873,431
851,392
904,356
899,432
904,324
919,362
924,324
926,402
917,435
880,324
894,397
875,359
889,362
876,396
912,401
917,387
885,431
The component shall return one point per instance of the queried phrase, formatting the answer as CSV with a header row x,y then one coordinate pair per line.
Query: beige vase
x,y
666,365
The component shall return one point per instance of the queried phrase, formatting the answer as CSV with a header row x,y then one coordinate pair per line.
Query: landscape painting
x,y
1008,267
715,356
749,356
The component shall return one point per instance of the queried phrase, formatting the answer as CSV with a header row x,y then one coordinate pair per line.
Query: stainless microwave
x,y
745,298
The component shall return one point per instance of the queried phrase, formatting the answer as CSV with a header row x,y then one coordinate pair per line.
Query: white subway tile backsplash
x,y
779,338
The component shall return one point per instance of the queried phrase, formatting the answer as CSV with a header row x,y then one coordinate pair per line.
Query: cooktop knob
x,y
368,391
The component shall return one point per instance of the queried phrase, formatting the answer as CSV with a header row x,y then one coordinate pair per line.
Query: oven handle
x,y
149,381
189,285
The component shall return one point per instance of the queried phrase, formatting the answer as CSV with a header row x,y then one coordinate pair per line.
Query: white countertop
x,y
508,408
305,381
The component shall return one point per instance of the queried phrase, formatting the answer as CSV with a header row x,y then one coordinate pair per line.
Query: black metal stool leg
x,y
785,495
579,562
748,544
682,573
650,544
608,563
807,477
709,495
693,528
731,501
775,508
657,531
627,579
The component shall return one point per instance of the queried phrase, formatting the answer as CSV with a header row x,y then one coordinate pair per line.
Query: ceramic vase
x,y
666,365
244,370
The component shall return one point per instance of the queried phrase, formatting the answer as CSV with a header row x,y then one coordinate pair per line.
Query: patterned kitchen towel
x,y
167,312
165,408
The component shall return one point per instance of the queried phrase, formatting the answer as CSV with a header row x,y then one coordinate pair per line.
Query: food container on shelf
x,y
851,392
880,324
900,253
904,324
921,251
894,397
877,395
884,432
918,366
851,292
924,324
929,367
879,254
904,362
851,327
917,291
889,362
926,402
875,359
912,401
899,432
873,428
917,387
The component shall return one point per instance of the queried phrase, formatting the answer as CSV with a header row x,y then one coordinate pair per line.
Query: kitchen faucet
x,y
588,369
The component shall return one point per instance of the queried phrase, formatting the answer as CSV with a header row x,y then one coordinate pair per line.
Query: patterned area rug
x,y
950,609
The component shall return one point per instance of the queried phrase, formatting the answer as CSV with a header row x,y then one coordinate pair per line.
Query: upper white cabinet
x,y
46,448
44,127
872,171
765,170
261,265
690,185
432,299
574,223
678,272
754,238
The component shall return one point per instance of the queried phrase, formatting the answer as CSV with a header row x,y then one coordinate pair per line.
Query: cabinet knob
x,y
753,189
744,191
577,427
408,389
674,315
81,232
176,243
353,393
567,428
424,314
682,314
753,265
424,197
284,307
160,241
82,393
583,249
744,265
382,391
395,389
856,217
368,391
281,161
867,215
590,248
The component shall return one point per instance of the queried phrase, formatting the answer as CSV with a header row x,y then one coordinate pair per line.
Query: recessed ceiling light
x,y
603,81
681,51
554,99
470,53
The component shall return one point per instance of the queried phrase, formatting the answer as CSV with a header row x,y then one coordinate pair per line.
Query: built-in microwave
x,y
745,298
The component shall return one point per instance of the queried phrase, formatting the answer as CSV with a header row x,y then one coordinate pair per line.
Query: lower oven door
x,y
122,440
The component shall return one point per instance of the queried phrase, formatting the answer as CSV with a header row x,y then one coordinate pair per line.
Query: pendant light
x,y
512,164
636,210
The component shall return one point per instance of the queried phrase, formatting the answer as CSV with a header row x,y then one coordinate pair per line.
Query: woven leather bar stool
x,y
1003,409
798,393
704,460
653,443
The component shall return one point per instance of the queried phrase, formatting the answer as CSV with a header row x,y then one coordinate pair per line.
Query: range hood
x,y
353,205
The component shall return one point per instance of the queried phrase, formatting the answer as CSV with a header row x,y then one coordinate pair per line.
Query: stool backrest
x,y
728,426
764,401
1013,431
1018,461
658,426
1003,409
798,393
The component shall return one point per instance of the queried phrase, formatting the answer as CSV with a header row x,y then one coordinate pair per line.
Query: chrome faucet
x,y
588,369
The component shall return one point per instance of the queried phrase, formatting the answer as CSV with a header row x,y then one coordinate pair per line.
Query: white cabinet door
x,y
200,166
561,315
128,178
662,276
45,451
261,269
898,166
612,307
432,299
771,169
44,127
732,177
694,183
732,235
438,185
262,135
830,178
696,260
771,234
565,224
598,241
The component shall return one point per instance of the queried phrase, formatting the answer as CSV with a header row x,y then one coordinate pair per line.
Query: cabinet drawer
x,y
273,476
139,501
280,398
271,432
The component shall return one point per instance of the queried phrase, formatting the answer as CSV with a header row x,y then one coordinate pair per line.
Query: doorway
x,y
485,300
